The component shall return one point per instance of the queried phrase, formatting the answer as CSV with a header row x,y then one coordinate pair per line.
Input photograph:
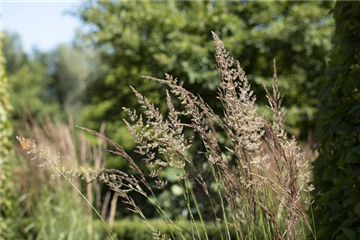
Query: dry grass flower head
x,y
260,175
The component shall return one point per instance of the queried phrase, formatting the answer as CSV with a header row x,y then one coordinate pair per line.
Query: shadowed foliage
x,y
337,169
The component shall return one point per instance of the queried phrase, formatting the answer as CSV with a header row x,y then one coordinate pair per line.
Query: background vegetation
x,y
152,38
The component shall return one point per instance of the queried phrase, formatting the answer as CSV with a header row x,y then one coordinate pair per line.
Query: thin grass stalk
x,y
313,232
188,205
159,209
223,210
193,197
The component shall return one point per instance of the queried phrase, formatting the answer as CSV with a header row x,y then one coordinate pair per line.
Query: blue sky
x,y
43,24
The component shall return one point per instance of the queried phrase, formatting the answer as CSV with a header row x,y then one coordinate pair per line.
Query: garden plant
x,y
253,184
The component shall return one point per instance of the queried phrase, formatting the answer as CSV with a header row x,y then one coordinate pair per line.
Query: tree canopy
x,y
49,83
153,38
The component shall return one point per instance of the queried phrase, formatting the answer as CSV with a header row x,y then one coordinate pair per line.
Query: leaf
x,y
348,143
357,209
328,173
341,162
335,206
319,134
349,233
351,157
354,108
357,150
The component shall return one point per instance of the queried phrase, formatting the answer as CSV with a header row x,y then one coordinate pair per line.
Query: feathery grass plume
x,y
258,178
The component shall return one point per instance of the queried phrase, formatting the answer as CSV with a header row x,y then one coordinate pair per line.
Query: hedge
x,y
127,229
135,229
337,169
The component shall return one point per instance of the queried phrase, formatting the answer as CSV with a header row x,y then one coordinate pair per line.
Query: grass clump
x,y
253,180
51,208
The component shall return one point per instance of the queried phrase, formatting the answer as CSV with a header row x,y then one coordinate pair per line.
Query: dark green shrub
x,y
337,169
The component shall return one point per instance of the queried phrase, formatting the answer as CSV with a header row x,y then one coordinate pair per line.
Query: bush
x,y
337,169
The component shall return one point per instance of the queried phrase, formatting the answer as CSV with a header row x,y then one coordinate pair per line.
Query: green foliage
x,y
5,108
29,80
50,83
125,229
147,37
7,190
13,52
28,88
337,169
58,213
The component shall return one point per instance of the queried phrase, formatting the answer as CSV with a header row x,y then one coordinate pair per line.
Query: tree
x,y
28,81
13,52
29,88
337,169
73,67
150,38
49,83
